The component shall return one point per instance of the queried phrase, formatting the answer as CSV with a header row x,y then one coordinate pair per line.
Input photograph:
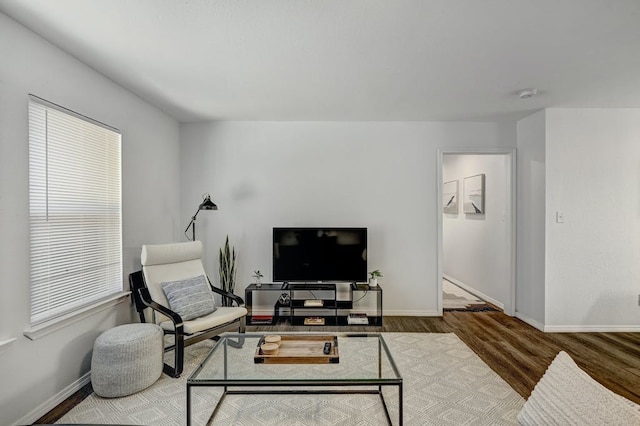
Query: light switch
x,y
560,217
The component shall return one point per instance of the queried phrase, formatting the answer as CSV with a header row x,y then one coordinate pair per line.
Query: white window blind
x,y
74,210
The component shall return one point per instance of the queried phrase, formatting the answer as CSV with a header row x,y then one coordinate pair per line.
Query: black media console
x,y
332,304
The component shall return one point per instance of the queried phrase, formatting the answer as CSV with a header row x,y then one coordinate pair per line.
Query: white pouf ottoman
x,y
126,359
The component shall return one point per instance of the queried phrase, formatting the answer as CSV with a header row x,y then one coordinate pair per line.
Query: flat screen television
x,y
320,254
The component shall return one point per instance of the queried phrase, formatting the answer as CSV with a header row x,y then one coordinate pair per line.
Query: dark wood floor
x,y
519,353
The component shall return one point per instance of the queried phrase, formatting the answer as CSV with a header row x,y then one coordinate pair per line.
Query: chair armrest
x,y
228,295
136,282
145,296
142,299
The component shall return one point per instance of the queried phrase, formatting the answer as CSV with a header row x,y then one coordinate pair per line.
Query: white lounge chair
x,y
178,268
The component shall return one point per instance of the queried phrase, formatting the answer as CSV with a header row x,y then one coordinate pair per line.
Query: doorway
x,y
476,224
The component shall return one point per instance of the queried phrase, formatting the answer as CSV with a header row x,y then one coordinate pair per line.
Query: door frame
x,y
510,303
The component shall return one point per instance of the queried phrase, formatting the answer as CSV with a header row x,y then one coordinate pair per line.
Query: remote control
x,y
327,348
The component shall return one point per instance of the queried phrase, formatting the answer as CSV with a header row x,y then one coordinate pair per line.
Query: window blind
x,y
74,210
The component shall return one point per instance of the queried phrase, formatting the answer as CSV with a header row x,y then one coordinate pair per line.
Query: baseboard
x,y
263,312
394,313
591,328
55,400
578,328
533,323
404,313
474,291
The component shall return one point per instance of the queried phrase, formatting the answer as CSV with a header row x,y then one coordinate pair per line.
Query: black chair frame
x,y
142,300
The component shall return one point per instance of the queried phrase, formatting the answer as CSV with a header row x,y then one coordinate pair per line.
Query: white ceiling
x,y
352,59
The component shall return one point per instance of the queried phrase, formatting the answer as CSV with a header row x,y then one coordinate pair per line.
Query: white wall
x,y
530,258
376,174
475,247
34,373
593,259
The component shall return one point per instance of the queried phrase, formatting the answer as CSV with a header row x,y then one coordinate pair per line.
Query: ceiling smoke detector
x,y
528,93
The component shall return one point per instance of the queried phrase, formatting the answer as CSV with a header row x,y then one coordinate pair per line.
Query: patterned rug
x,y
445,383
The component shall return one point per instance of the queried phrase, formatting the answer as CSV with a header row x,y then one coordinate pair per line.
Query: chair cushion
x,y
566,395
222,315
190,298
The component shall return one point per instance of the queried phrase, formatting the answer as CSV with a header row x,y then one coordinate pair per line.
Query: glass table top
x,y
363,358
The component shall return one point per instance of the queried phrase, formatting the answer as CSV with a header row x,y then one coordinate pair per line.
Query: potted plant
x,y
374,275
227,269
258,276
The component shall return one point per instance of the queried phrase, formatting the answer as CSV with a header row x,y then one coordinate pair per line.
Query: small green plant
x,y
375,274
258,276
227,269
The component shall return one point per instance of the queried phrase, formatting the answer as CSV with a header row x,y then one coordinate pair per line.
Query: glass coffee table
x,y
355,364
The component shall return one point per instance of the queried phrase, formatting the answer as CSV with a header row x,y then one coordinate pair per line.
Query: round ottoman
x,y
126,359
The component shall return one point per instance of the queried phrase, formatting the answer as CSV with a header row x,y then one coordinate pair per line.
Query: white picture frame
x,y
473,202
450,197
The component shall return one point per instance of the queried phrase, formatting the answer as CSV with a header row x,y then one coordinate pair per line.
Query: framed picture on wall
x,y
450,197
473,195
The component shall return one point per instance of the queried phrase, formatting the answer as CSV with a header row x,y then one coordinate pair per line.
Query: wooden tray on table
x,y
300,349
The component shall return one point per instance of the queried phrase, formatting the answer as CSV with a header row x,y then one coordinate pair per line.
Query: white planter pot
x,y
373,282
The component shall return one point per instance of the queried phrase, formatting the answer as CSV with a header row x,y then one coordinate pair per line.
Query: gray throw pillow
x,y
190,298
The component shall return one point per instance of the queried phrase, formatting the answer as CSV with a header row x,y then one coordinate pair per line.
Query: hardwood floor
x,y
519,353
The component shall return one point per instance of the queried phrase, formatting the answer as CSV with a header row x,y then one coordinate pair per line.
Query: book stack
x,y
261,319
355,318
314,321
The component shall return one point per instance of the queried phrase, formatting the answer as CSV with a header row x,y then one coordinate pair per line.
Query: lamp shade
x,y
207,204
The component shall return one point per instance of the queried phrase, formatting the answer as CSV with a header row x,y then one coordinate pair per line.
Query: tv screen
x,y
320,254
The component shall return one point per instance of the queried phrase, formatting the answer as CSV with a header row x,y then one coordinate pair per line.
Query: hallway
x,y
455,298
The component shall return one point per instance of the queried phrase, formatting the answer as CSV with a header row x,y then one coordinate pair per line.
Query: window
x,y
75,211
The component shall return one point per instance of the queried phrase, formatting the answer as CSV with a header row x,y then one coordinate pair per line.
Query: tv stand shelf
x,y
326,304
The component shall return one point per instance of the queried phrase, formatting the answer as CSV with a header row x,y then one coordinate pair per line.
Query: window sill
x,y
41,330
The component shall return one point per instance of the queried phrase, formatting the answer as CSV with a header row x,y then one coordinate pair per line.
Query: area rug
x,y
445,383
455,298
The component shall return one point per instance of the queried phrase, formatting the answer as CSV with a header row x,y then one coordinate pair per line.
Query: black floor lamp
x,y
206,204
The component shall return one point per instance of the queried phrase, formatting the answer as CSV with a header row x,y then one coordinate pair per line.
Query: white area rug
x,y
445,383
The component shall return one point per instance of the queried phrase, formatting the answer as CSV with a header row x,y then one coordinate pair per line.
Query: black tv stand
x,y
289,302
